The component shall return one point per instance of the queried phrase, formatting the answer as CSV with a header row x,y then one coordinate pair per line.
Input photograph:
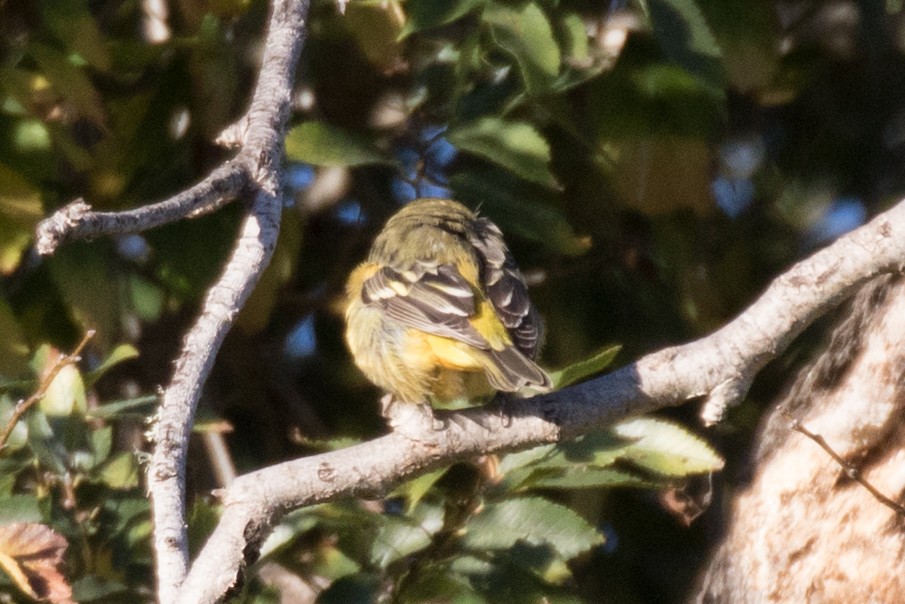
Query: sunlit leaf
x,y
400,536
592,365
323,144
516,146
523,31
32,556
533,520
666,448
121,472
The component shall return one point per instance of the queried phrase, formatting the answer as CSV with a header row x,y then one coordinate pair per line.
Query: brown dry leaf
x,y
32,554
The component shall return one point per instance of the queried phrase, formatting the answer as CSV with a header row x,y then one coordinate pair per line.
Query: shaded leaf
x,y
92,587
72,22
13,346
686,38
255,313
69,81
32,555
524,32
425,14
124,408
518,209
323,144
533,520
400,536
516,146
120,354
575,37
414,490
592,365
20,211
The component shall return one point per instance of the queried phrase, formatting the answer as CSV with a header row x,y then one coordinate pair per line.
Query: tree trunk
x,y
802,530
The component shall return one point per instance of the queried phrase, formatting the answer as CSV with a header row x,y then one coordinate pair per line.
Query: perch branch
x,y
718,367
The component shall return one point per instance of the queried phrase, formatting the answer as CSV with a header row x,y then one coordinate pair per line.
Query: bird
x,y
439,310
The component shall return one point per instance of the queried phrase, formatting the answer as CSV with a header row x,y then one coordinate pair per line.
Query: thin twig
x,y
25,404
850,470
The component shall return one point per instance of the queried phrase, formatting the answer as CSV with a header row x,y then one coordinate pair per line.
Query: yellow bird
x,y
440,311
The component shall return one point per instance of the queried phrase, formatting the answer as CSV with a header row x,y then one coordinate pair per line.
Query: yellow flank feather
x,y
425,312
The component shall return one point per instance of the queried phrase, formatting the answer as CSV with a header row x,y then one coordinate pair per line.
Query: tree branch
x,y
76,220
262,154
719,367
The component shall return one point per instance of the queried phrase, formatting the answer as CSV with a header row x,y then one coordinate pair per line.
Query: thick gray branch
x,y
261,157
719,367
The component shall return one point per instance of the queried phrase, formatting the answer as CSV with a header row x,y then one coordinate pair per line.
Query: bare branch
x,y
719,367
76,220
850,470
24,405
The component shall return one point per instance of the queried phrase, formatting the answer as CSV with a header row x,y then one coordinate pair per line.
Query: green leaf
x,y
400,536
20,508
65,395
123,408
19,435
92,588
575,37
69,81
89,287
72,22
587,477
414,490
121,472
532,520
666,448
323,144
20,211
518,209
425,14
101,442
516,146
524,32
592,365
686,38
120,354
13,346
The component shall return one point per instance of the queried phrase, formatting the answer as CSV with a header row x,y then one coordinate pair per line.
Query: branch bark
x,y
262,155
719,367
256,170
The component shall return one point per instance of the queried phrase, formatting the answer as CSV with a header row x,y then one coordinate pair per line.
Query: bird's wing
x,y
505,288
430,297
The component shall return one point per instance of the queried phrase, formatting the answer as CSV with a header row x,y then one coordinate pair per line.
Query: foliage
x,y
653,163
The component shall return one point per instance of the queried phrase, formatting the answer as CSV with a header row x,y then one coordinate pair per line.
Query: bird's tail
x,y
509,370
